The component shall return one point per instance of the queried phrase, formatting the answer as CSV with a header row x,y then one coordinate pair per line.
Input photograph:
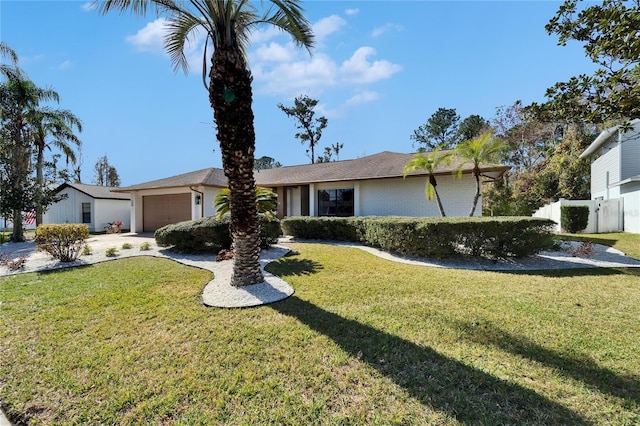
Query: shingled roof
x,y
205,177
95,191
377,166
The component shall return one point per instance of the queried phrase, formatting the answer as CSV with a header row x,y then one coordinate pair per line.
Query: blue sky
x,y
379,70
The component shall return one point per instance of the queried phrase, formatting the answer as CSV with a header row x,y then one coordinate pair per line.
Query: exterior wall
x,y
406,197
630,155
107,211
605,170
294,204
204,209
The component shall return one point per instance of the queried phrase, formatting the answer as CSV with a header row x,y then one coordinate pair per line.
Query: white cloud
x,y
363,98
358,70
263,35
378,31
274,52
352,12
89,6
151,37
65,65
327,26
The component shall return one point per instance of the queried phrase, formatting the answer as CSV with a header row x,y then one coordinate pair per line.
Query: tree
x,y
266,202
19,98
484,149
440,131
106,174
328,153
227,25
265,162
310,126
610,33
51,128
472,127
529,139
429,163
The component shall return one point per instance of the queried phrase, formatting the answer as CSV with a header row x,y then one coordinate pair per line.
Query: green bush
x,y
574,219
111,252
63,242
431,237
211,235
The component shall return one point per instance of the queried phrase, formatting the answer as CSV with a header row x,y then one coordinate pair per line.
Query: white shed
x,y
94,205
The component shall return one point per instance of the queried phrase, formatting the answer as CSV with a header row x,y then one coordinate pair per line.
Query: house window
x,y
335,202
86,212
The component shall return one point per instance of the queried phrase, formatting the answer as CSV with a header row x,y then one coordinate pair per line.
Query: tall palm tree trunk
x,y
40,183
231,97
476,196
432,181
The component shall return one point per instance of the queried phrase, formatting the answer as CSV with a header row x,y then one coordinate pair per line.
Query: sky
x,y
379,70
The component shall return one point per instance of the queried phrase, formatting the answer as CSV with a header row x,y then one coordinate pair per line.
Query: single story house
x,y
370,185
615,175
94,205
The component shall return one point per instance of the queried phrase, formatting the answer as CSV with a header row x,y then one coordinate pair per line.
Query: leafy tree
x,y
429,163
328,153
310,126
472,127
227,25
439,132
106,174
265,162
19,98
528,138
484,149
610,32
266,202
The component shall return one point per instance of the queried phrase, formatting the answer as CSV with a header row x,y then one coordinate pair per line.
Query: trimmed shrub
x,y
63,242
493,237
211,235
574,219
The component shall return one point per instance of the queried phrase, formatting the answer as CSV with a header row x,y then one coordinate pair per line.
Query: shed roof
x,y
95,191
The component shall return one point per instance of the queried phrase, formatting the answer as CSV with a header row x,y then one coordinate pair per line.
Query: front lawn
x,y
362,341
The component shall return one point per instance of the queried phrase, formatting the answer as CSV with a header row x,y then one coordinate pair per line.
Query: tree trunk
x,y
231,97
440,207
476,197
17,234
39,183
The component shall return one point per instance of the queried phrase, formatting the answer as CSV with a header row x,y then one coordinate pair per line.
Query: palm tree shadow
x,y
580,368
292,266
466,393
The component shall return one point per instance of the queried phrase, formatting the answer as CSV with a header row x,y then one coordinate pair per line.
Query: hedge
x,y
211,235
574,219
491,237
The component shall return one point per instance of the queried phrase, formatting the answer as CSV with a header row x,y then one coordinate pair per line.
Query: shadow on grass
x,y
286,266
580,368
576,272
445,384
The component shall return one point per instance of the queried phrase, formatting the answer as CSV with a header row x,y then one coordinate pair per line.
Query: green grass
x,y
362,341
623,241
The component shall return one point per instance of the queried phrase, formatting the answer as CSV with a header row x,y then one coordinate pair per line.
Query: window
x,y
86,212
335,202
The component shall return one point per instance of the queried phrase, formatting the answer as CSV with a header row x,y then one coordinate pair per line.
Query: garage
x,y
161,210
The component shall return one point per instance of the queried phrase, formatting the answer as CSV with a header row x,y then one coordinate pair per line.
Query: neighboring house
x,y
371,185
94,205
615,174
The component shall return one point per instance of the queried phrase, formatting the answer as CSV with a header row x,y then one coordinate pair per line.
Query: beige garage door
x,y
161,210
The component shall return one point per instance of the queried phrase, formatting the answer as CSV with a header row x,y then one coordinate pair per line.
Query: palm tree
x,y
51,128
227,24
20,97
484,149
266,201
429,163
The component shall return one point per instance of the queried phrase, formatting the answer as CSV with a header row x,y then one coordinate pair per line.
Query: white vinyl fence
x,y
604,215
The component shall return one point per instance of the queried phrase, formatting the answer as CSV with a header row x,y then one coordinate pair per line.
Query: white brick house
x,y
367,186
